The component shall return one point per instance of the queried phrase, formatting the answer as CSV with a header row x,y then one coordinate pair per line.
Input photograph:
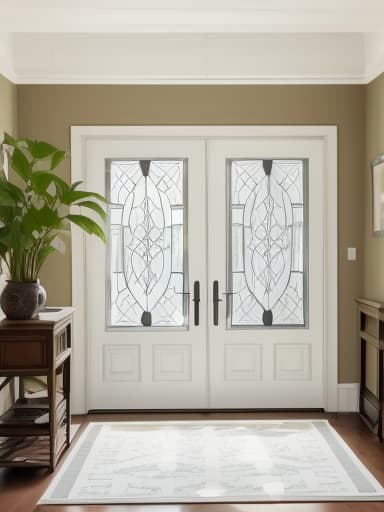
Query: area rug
x,y
215,461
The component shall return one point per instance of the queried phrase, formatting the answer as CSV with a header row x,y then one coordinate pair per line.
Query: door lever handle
x,y
216,300
196,301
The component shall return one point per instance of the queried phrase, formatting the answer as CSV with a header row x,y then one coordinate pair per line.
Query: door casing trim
x,y
327,134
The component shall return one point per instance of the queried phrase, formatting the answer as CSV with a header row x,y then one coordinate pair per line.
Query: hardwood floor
x,y
20,489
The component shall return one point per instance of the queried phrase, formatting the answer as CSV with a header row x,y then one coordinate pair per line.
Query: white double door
x,y
209,293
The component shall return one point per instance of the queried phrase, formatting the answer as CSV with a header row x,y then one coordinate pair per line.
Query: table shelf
x,y
35,430
371,340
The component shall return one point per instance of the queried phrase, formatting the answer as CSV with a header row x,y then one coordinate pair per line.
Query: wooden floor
x,y
20,489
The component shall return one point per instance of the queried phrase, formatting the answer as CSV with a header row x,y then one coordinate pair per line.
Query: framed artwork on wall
x,y
378,195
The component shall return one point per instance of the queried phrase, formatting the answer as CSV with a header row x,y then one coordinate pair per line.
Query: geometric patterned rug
x,y
211,461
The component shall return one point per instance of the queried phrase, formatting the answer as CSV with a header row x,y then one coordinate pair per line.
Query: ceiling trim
x,y
254,59
373,74
8,74
266,80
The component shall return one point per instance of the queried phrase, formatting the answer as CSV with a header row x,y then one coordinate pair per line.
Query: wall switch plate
x,y
351,253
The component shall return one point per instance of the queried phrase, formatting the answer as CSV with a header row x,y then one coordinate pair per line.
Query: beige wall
x,y
48,111
373,246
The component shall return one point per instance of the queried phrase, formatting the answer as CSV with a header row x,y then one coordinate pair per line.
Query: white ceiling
x,y
191,41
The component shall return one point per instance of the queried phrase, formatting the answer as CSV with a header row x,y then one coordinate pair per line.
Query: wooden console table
x,y
371,337
35,430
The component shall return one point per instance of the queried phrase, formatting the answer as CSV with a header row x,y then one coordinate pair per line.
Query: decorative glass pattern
x,y
267,243
147,265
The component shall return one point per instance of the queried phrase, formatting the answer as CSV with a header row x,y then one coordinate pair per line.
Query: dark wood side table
x,y
35,430
371,339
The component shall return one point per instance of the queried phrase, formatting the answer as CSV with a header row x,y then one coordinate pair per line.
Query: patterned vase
x,y
20,301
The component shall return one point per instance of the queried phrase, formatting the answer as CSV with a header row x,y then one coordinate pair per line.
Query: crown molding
x,y
188,58
8,74
142,80
374,55
373,74
6,64
183,59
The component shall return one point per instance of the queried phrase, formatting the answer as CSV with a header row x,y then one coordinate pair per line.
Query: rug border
x,y
114,501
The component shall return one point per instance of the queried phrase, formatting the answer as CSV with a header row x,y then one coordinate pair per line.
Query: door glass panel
x,y
147,254
267,243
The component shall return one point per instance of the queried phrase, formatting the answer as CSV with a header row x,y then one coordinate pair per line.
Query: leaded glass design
x,y
267,244
147,233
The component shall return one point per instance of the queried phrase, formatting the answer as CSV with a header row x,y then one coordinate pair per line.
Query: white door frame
x,y
327,134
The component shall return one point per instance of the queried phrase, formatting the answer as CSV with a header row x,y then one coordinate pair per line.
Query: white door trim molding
x,y
327,134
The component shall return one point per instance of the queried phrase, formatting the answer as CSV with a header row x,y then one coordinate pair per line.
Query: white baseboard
x,y
348,397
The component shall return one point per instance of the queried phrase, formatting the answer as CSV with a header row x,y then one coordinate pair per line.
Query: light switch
x,y
351,253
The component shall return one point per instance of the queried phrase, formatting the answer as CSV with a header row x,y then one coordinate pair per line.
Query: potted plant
x,y
34,214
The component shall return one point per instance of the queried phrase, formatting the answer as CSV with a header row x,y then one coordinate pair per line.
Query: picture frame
x,y
377,167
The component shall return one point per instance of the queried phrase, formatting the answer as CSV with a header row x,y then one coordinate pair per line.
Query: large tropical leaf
x,y
7,213
20,164
6,198
40,150
42,254
76,184
39,220
13,237
88,225
10,194
57,158
16,192
9,140
95,207
71,196
61,186
40,181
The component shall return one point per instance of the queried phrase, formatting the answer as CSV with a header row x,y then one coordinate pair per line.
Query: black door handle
x,y
196,300
216,301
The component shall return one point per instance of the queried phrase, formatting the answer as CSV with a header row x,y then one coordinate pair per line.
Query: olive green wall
x,y
48,111
373,270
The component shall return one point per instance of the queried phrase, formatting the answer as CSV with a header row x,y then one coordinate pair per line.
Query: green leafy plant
x,y
35,214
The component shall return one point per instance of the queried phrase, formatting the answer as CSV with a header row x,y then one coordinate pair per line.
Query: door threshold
x,y
200,411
